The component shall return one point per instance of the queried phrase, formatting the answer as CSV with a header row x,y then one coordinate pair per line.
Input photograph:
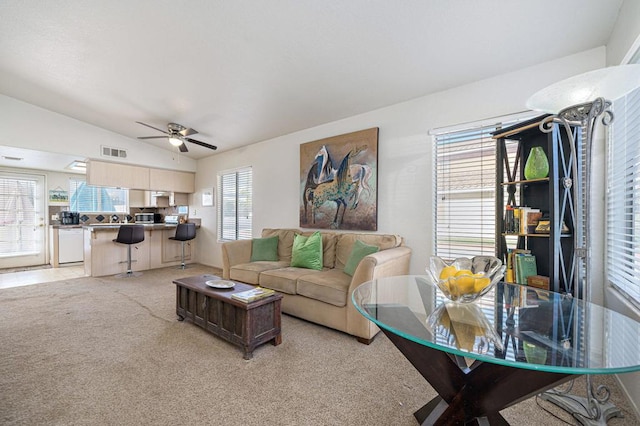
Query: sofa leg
x,y
365,341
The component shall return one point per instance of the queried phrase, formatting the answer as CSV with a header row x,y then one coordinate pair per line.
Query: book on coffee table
x,y
253,294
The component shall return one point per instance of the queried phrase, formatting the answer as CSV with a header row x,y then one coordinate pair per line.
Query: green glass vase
x,y
537,166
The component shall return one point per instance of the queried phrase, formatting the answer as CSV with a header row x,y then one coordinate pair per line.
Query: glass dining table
x,y
511,344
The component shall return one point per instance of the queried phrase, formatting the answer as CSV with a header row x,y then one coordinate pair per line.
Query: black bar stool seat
x,y
130,234
184,232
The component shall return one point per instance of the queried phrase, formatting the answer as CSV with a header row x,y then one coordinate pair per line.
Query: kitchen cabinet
x,y
172,181
178,199
103,173
138,198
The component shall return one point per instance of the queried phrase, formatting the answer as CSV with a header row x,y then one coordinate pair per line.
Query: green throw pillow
x,y
264,249
359,251
307,251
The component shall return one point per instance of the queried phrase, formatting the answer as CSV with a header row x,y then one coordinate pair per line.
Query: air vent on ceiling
x,y
113,152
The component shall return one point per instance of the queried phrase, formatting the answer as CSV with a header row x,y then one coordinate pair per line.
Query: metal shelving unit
x,y
555,253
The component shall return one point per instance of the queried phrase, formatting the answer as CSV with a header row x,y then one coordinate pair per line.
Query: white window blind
x,y
465,193
96,199
623,197
18,215
235,206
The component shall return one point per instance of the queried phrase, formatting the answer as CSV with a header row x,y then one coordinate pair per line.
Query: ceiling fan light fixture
x,y
175,141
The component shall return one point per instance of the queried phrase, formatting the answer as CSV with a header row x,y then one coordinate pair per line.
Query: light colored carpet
x,y
110,351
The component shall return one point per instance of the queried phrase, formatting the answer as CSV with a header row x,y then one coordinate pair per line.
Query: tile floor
x,y
36,276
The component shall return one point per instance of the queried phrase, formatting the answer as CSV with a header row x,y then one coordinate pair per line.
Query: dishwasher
x,y
70,245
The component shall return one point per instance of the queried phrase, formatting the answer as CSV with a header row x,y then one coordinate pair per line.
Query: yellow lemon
x,y
480,284
454,293
448,271
463,272
465,284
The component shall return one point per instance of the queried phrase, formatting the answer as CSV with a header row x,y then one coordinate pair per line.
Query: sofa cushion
x,y
264,249
284,279
307,251
347,240
358,252
249,272
330,286
285,241
329,240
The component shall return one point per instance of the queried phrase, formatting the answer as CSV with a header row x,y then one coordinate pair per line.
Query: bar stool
x,y
130,234
184,233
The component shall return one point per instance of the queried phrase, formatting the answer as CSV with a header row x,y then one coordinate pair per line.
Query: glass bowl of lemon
x,y
465,279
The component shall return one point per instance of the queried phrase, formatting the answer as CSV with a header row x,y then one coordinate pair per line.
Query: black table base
x,y
475,394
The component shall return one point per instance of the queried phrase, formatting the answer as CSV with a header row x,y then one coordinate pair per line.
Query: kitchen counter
x,y
93,227
103,256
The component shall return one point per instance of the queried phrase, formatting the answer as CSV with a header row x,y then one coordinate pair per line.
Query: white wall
x,y
31,127
625,33
404,158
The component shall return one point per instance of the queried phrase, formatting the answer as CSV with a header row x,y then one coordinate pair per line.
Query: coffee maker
x,y
69,218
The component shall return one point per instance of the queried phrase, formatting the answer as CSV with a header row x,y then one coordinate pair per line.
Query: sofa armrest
x,y
385,263
235,253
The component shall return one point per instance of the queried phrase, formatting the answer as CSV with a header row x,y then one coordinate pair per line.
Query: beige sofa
x,y
323,297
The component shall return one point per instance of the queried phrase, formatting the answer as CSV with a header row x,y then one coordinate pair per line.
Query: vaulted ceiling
x,y
241,72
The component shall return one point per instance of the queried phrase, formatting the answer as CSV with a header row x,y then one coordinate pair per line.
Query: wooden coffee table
x,y
243,324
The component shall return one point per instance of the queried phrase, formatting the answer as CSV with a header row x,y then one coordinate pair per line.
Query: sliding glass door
x,y
22,220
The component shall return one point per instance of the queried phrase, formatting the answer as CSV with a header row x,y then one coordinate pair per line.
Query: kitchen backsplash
x,y
86,218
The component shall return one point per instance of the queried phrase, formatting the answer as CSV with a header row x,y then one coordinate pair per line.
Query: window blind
x,y
18,215
465,193
235,211
623,197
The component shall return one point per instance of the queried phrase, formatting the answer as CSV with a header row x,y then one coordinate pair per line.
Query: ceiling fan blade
x,y
183,148
152,137
187,132
206,145
154,128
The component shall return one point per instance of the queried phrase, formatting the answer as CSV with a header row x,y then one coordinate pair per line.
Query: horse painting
x,y
330,189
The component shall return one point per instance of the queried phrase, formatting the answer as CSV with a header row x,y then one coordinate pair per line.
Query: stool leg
x,y
182,265
129,272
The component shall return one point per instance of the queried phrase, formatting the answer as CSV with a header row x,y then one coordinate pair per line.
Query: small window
x,y
235,207
465,183
96,199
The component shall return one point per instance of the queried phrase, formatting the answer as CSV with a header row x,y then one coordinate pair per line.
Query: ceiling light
x,y
78,165
175,141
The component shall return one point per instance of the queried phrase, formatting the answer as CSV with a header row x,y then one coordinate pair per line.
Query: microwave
x,y
144,218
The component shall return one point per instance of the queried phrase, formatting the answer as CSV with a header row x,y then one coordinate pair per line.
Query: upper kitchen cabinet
x,y
174,181
102,173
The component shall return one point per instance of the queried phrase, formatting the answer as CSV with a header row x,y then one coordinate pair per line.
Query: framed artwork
x,y
339,182
207,198
59,196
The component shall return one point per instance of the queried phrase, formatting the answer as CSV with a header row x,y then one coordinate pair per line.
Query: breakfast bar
x,y
103,257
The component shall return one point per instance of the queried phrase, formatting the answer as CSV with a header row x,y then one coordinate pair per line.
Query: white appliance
x,y
172,219
70,245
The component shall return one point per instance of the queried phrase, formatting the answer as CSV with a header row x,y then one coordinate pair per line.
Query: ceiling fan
x,y
177,135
